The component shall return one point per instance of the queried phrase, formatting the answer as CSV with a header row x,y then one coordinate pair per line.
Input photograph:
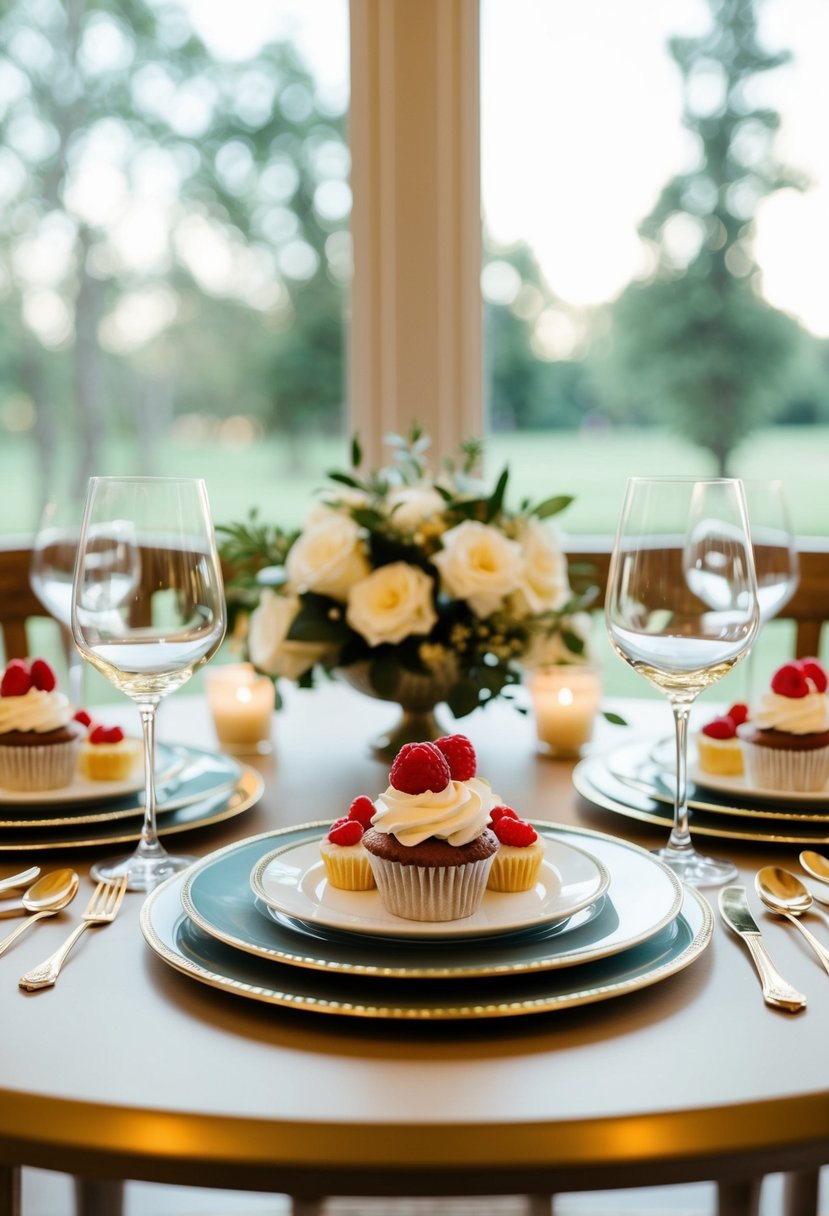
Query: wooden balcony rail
x,y
807,608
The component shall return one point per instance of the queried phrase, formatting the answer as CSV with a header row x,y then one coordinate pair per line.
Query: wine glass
x,y
776,560
148,608
682,610
51,570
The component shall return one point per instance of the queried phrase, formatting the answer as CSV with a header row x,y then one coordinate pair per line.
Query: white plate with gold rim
x,y
292,881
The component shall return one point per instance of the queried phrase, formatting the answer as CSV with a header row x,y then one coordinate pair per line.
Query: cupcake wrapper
x,y
431,892
348,873
517,872
777,769
49,767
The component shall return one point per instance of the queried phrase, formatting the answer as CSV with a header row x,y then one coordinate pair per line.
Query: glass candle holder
x,y
242,705
565,703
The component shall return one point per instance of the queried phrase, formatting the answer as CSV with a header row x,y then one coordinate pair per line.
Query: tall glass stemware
x,y
148,609
51,571
682,610
776,559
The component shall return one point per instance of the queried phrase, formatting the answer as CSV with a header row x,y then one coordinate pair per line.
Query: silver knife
x,y
735,912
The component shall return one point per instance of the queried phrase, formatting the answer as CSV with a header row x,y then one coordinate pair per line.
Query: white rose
x,y
479,564
549,650
544,583
409,506
268,646
328,557
394,602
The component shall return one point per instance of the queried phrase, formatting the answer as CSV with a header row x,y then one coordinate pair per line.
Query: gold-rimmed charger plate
x,y
644,897
207,811
182,945
597,779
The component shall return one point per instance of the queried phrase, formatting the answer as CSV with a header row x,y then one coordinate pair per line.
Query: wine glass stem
x,y
680,836
149,844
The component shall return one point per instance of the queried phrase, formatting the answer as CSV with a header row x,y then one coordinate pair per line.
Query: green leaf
x,y
613,719
319,619
345,479
495,501
573,642
356,452
463,698
551,506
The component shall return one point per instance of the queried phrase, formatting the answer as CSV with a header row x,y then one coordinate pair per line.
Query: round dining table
x,y
128,1069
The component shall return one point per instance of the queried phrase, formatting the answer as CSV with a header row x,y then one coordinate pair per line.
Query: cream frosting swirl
x,y
36,711
796,715
457,814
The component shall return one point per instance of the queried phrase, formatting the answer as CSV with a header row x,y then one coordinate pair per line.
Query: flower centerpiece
x,y
417,587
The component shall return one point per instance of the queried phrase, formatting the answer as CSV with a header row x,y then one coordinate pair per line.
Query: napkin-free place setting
x,y
639,928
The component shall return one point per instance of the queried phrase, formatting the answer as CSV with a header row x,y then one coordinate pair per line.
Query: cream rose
x,y
479,564
328,557
268,644
394,602
549,650
409,506
544,585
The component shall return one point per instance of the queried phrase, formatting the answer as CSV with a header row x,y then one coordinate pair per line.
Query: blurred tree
x,y
157,198
695,345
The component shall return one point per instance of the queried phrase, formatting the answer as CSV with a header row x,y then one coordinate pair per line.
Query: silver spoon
x,y
786,895
44,898
815,864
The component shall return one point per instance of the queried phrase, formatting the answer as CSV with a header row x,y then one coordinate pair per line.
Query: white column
x,y
415,347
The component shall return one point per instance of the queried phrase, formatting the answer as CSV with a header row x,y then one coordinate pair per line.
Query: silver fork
x,y
102,908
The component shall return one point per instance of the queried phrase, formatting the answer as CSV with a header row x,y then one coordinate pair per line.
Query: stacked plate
x,y
259,919
637,781
195,788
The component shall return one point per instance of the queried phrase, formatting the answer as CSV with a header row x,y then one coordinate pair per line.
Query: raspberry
x,y
83,717
720,728
345,832
460,756
42,676
419,767
362,809
502,812
16,680
738,713
515,832
106,734
789,681
814,671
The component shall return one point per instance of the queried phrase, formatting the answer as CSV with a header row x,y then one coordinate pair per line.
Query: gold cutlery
x,y
735,912
786,895
46,897
817,866
101,910
19,880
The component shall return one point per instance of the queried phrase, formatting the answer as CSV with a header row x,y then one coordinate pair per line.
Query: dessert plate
x,y
191,775
215,808
741,787
168,760
180,943
644,897
292,880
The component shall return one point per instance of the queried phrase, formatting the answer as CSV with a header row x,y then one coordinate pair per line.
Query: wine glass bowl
x,y
682,610
148,609
51,571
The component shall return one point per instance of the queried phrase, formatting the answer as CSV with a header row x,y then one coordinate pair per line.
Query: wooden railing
x,y
808,608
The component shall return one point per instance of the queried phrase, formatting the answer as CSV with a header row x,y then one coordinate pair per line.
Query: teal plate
x,y
644,898
180,943
183,775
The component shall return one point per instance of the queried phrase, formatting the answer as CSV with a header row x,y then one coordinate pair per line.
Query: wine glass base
x,y
696,870
143,873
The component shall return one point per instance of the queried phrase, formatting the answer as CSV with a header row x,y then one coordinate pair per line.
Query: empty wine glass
x,y
51,570
148,608
682,610
776,560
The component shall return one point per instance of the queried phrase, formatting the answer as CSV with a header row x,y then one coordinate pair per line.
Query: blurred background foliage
x,y
175,259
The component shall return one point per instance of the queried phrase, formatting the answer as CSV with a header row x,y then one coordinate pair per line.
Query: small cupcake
x,y
345,859
786,743
517,863
719,750
429,845
107,754
39,740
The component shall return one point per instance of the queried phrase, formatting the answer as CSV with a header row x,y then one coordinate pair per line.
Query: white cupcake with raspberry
x,y
517,863
346,862
107,754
